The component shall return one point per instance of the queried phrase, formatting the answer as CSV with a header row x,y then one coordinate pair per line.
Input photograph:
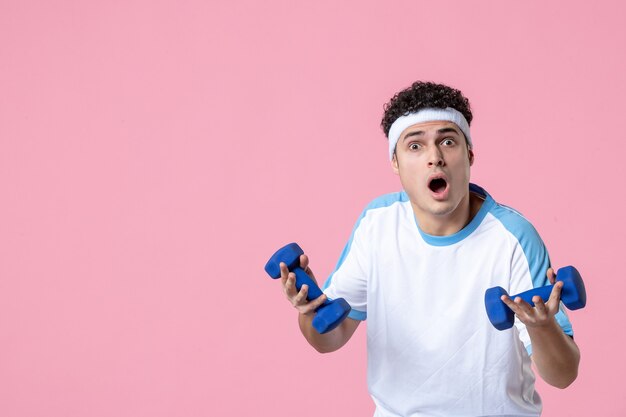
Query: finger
x,y
304,261
300,298
516,304
313,305
509,303
555,297
540,307
523,306
304,264
290,286
319,301
551,275
520,307
284,273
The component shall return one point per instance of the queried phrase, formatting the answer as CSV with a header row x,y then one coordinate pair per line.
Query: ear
x,y
394,164
470,154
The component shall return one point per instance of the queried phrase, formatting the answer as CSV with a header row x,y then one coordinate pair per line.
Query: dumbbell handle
x,y
543,292
303,278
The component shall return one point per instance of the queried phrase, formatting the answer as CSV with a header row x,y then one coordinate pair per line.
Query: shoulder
x,y
515,223
387,200
523,235
382,210
511,220
530,256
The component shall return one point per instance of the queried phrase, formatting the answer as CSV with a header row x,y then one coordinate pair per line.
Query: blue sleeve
x,y
535,254
355,252
354,313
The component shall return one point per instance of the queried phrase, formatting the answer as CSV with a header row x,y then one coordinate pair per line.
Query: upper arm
x,y
349,326
529,266
349,279
331,341
343,333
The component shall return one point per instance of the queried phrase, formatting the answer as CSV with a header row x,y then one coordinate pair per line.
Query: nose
x,y
435,159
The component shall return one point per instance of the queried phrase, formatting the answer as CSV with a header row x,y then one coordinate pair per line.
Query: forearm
x,y
555,354
327,342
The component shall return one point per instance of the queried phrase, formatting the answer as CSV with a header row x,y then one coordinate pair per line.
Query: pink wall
x,y
153,154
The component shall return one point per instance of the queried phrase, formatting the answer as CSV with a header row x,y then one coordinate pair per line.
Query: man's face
x,y
433,162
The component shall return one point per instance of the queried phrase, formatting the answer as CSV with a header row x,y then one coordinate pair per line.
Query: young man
x,y
417,266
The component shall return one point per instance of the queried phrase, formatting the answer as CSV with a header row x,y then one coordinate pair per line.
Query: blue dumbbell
x,y
327,316
573,295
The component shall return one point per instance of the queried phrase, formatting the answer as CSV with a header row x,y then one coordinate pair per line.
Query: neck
x,y
450,223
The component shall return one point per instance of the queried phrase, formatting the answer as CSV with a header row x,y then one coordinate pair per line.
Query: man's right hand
x,y
299,298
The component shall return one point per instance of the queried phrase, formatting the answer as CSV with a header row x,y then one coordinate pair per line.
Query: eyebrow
x,y
439,132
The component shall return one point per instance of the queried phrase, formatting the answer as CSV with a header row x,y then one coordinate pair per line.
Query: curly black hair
x,y
423,94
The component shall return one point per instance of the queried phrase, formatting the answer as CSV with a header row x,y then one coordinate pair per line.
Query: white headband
x,y
426,115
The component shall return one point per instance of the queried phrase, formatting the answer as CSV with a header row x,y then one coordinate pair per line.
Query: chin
x,y
442,211
443,208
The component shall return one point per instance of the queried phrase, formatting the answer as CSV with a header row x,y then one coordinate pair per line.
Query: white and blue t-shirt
x,y
431,348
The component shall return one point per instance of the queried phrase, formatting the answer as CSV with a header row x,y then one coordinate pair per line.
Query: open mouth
x,y
437,185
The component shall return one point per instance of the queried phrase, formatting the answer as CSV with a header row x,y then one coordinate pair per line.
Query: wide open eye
x,y
414,146
448,142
